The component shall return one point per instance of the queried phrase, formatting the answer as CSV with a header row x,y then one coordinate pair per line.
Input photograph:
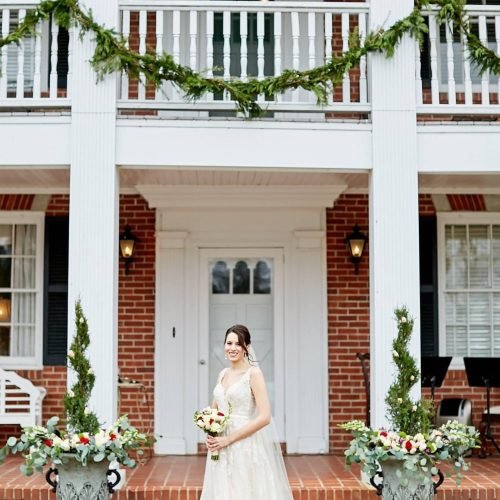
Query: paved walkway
x,y
316,477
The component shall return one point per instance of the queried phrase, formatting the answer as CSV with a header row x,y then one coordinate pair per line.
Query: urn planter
x,y
75,481
398,483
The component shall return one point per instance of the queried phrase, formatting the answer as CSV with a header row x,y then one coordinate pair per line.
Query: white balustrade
x,y
36,72
456,84
231,39
251,39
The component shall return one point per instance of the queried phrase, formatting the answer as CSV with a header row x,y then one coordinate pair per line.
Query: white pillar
x,y
394,254
94,193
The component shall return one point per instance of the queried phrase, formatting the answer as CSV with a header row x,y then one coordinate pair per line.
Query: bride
x,y
250,466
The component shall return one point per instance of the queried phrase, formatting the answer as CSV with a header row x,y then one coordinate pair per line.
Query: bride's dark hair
x,y
243,334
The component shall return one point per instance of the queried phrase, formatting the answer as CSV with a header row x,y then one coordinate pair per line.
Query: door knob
x,y
202,362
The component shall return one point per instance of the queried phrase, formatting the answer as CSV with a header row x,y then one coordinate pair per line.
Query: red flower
x,y
84,440
112,436
47,442
408,445
383,433
220,414
212,421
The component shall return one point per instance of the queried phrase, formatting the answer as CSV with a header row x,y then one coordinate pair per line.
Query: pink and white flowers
x,y
213,422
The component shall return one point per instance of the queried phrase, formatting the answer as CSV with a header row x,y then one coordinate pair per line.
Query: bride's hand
x,y
217,443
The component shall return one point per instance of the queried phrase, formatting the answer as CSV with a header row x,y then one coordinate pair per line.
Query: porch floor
x,y
312,477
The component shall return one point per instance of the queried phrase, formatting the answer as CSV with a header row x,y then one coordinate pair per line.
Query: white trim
x,y
240,197
37,219
444,218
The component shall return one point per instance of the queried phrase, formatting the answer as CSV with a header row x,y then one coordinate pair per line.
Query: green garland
x,y
79,417
112,54
406,415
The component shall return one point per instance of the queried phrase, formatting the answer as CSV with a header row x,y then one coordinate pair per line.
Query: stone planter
x,y
392,488
75,481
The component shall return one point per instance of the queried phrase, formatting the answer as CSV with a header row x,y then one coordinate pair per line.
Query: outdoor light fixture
x,y
355,243
127,247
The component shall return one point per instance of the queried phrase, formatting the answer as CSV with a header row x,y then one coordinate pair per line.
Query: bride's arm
x,y
262,419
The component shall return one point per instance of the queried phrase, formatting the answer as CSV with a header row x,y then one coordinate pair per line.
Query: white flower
x,y
71,354
71,394
412,378
395,354
81,320
87,411
403,319
400,400
101,438
414,408
90,371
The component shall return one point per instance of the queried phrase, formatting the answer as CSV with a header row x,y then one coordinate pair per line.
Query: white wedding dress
x,y
252,468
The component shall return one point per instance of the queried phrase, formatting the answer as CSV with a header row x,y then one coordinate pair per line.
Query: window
x,y
241,277
21,254
469,299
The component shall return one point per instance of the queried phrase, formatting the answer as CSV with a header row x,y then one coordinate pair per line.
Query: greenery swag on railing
x,y
112,54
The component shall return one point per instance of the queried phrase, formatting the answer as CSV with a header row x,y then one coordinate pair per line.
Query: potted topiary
x,y
81,452
408,453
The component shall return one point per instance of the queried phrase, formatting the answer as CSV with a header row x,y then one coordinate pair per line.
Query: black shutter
x,y
55,328
428,287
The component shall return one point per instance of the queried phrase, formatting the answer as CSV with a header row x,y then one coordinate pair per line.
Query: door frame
x,y
277,254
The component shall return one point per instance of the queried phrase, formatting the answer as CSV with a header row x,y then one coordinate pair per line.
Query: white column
x,y
394,254
94,190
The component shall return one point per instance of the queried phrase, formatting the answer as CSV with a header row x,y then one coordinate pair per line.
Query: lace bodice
x,y
239,395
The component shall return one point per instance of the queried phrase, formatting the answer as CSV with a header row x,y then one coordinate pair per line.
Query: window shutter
x,y
56,291
428,287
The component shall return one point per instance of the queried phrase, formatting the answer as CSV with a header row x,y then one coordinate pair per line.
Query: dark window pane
x,y
241,278
262,278
220,278
5,265
4,340
5,240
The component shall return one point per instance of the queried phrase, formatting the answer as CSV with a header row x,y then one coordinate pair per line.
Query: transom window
x,y
20,289
469,259
243,276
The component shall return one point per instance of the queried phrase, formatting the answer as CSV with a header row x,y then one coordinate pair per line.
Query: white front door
x,y
242,286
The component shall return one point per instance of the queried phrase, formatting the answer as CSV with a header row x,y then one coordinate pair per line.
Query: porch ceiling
x,y
129,178
459,183
34,180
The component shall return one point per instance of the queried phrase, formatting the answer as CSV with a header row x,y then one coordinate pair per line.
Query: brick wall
x,y
348,324
136,314
348,316
135,319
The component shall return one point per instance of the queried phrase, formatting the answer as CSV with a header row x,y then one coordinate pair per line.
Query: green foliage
x,y
79,417
406,415
112,54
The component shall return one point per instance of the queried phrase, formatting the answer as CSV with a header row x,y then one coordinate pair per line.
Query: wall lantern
x,y
127,247
355,243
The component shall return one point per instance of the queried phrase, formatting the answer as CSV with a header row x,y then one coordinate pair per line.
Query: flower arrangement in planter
x,y
82,440
411,446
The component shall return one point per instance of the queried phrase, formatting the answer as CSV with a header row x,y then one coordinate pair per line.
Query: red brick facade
x,y
348,320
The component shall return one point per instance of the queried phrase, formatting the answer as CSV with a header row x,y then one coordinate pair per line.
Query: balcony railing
x,y
233,39
236,39
447,82
37,72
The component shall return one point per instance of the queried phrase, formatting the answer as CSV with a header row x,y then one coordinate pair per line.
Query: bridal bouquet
x,y
212,422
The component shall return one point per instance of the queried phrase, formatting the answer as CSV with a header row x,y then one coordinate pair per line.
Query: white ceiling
x,y
56,180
